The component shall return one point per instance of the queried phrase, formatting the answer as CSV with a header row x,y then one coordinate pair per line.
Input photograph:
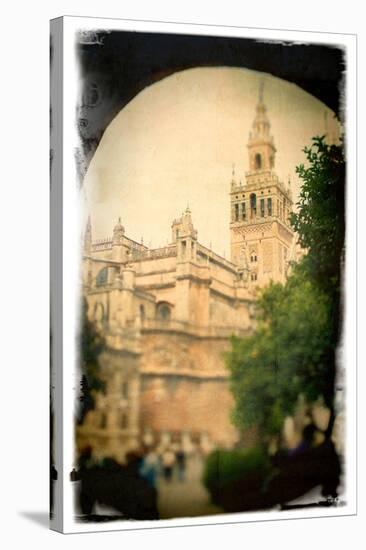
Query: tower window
x,y
262,208
253,277
253,204
243,211
258,161
269,207
236,212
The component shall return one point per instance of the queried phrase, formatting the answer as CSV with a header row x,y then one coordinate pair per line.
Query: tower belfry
x,y
260,209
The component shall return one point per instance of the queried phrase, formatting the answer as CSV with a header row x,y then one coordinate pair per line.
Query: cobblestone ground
x,y
188,498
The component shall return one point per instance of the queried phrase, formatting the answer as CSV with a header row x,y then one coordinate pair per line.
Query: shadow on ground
x,y
40,518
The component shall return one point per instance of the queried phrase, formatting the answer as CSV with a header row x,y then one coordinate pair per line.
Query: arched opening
x,y
262,208
163,311
253,205
103,75
258,161
212,126
102,277
236,214
269,206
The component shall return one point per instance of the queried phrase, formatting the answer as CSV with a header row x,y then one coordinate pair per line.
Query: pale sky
x,y
175,143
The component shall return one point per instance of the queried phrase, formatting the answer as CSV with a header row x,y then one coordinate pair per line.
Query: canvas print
x,y
208,372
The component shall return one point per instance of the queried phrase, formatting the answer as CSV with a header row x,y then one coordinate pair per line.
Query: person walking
x,y
180,457
168,461
149,467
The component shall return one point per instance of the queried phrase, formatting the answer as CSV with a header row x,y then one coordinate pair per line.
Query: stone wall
x,y
181,404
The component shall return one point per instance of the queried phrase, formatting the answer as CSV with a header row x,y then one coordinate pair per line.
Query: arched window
x,y
163,311
102,277
236,212
253,204
258,161
253,256
269,206
262,208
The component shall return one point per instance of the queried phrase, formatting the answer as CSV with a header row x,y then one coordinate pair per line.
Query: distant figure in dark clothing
x,y
303,468
149,467
180,457
168,460
117,486
307,441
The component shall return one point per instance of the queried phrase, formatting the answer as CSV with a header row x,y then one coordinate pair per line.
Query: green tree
x,y
283,358
320,221
91,345
292,350
320,224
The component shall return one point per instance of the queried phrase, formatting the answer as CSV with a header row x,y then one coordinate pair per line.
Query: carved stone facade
x,y
168,314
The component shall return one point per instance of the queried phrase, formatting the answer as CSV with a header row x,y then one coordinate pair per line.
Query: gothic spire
x,y
260,144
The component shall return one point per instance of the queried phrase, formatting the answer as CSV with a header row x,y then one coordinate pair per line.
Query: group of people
x,y
165,462
121,487
129,487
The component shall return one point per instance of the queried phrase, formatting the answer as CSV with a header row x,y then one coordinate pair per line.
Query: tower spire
x,y
261,146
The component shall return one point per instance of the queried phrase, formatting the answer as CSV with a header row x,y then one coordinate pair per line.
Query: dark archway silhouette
x,y
119,64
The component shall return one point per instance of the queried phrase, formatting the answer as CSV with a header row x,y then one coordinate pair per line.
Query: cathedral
x,y
167,314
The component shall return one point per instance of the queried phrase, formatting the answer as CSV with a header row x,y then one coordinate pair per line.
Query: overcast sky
x,y
175,143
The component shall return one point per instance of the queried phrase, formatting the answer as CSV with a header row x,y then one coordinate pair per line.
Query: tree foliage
x,y
91,345
292,350
284,357
319,221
